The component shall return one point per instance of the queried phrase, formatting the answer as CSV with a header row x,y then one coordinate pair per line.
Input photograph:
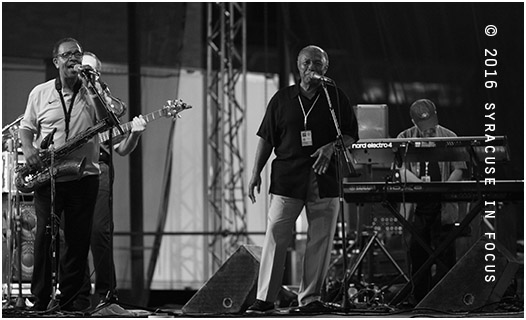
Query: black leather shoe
x,y
261,307
315,307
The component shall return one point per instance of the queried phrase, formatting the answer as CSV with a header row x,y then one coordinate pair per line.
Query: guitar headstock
x,y
174,107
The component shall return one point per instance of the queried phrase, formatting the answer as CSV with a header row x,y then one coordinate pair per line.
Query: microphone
x,y
321,78
85,69
48,140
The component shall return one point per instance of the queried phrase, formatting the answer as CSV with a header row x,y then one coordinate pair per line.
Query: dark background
x,y
392,53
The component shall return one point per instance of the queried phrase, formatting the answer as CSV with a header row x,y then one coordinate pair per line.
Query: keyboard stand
x,y
452,235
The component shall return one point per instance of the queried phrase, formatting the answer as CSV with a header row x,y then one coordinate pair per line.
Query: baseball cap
x,y
424,114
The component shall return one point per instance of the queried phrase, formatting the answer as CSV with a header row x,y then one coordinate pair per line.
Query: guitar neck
x,y
126,127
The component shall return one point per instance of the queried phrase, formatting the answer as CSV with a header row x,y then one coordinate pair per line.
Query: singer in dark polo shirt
x,y
299,128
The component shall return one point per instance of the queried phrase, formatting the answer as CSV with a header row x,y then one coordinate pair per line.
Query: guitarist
x,y
102,228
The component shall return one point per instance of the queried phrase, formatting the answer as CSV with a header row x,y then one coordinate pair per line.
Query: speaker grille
x,y
464,287
232,288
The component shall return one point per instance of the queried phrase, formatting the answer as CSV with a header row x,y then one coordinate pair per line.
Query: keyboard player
x,y
432,221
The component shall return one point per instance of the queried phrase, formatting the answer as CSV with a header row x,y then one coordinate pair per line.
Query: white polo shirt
x,y
44,112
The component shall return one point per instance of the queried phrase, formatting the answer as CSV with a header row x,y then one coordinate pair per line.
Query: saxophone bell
x,y
28,180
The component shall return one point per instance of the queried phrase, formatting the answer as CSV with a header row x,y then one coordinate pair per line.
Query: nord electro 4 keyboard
x,y
362,192
371,151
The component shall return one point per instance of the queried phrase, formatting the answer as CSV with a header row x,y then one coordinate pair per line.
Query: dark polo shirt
x,y
282,126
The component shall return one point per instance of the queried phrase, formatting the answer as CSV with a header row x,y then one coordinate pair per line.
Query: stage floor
x,y
510,309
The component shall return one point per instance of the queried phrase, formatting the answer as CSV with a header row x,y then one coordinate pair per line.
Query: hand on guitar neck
x,y
138,125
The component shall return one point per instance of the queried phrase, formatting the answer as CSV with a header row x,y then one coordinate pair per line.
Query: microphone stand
x,y
18,218
13,216
53,303
114,121
339,150
112,118
18,229
110,294
9,216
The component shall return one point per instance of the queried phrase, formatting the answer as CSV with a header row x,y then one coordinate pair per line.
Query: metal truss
x,y
226,103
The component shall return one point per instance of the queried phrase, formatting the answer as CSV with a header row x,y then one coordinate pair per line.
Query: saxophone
x,y
28,179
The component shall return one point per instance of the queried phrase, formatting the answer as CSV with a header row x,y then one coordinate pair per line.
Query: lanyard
x,y
306,115
67,112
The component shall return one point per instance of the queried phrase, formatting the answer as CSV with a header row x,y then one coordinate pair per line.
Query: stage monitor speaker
x,y
232,289
479,279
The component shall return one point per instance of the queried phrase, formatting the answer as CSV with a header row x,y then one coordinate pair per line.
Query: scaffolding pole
x,y
226,125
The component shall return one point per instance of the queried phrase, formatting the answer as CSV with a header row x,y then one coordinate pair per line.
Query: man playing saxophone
x,y
67,107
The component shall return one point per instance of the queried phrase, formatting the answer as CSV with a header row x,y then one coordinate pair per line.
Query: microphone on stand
x,y
321,78
89,73
85,70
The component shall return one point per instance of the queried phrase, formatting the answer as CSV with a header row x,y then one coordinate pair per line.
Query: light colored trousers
x,y
322,215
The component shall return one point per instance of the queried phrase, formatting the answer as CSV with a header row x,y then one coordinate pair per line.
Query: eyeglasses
x,y
68,54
